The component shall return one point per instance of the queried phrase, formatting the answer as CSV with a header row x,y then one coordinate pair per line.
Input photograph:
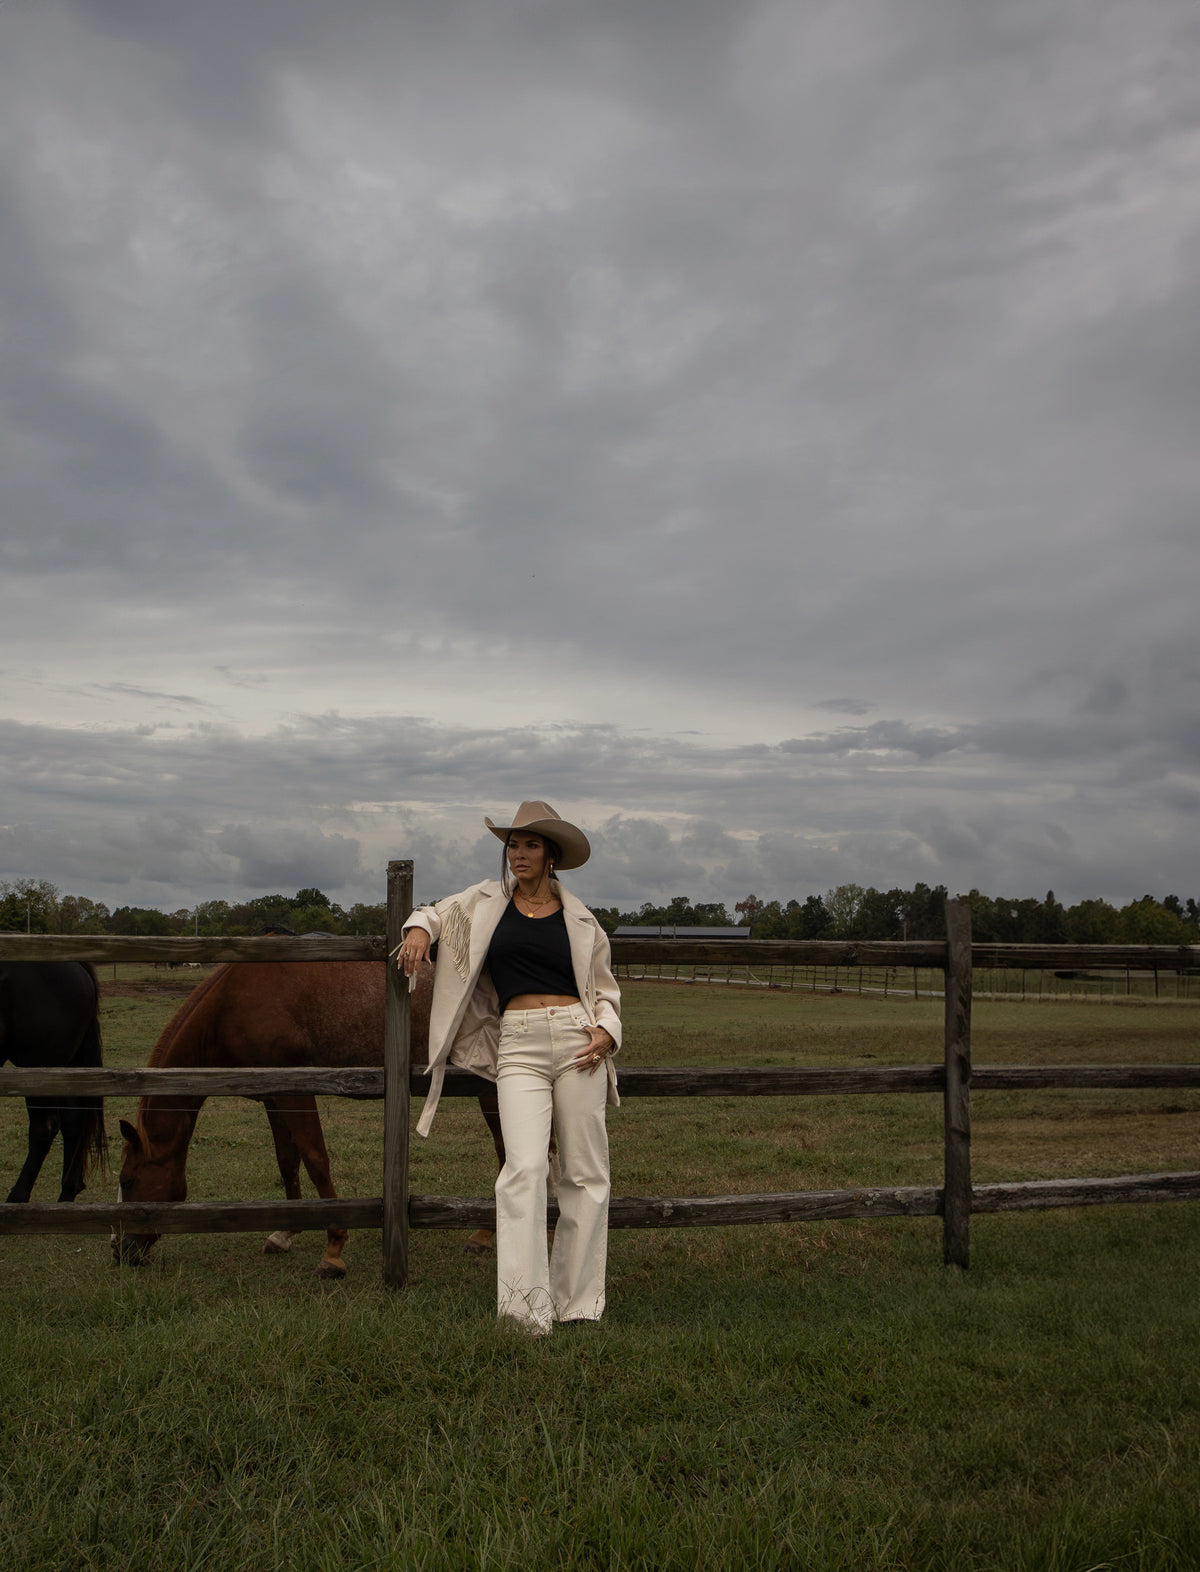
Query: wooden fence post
x,y
956,1216
396,1099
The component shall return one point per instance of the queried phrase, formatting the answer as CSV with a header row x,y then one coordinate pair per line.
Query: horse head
x,y
149,1174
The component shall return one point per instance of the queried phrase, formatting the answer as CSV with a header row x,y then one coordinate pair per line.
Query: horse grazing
x,y
268,1014
49,1018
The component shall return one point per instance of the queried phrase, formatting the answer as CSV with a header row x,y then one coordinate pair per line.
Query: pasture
x,y
820,1395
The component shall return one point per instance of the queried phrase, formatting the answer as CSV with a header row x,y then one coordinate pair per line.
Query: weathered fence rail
x,y
396,1211
707,1211
775,1081
924,953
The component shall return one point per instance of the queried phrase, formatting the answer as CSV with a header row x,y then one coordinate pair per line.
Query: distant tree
x,y
367,919
78,914
310,897
1003,920
142,921
211,919
1092,922
922,912
316,919
678,913
1048,922
878,915
748,910
29,906
1188,913
842,905
608,917
263,911
770,922
1146,922
810,921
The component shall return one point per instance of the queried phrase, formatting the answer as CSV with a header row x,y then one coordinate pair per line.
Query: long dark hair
x,y
507,883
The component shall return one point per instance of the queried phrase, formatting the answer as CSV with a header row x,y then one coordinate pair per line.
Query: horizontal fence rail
x,y
105,950
368,1083
692,1211
917,953
396,1211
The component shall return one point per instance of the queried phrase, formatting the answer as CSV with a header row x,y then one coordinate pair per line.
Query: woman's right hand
x,y
413,950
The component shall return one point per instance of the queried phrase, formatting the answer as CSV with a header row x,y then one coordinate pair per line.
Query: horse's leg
x,y
88,1146
287,1155
75,1125
43,1127
304,1128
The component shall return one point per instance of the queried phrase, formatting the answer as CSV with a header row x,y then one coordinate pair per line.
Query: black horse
x,y
49,1017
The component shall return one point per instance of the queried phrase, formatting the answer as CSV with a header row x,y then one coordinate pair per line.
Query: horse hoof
x,y
332,1270
277,1244
471,1248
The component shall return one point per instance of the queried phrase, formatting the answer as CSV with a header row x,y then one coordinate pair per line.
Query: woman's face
x,y
526,856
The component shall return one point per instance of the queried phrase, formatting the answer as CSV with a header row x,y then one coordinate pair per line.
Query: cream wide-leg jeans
x,y
536,1083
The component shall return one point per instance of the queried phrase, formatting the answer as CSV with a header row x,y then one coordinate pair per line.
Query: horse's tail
x,y
93,1138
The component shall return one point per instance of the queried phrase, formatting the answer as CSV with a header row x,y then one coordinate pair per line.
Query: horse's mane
x,y
183,1017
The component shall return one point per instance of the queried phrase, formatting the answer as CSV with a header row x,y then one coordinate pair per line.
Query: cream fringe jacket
x,y
464,1021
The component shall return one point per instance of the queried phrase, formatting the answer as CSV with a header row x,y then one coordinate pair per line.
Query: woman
x,y
525,995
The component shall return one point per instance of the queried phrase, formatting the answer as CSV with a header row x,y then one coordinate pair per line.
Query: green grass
x,y
822,1396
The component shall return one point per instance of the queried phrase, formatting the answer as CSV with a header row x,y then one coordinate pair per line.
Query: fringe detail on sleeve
x,y
456,938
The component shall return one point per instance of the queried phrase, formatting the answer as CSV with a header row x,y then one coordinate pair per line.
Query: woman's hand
x,y
600,1045
413,950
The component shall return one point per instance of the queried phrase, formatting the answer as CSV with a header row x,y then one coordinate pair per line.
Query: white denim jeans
x,y
536,1082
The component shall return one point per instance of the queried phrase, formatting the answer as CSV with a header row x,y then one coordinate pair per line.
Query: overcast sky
x,y
770,432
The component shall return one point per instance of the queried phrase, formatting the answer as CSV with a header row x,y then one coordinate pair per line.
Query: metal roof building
x,y
672,931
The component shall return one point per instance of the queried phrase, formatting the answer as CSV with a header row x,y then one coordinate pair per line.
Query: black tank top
x,y
531,955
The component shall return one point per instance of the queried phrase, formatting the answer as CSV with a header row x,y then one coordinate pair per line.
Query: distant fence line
x,y
891,981
956,958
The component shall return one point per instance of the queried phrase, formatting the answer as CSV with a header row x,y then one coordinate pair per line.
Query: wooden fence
x,y
396,1211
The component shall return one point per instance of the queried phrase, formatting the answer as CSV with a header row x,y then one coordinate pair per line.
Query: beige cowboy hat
x,y
539,818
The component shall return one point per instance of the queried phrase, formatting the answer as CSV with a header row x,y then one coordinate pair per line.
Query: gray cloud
x,y
605,387
327,800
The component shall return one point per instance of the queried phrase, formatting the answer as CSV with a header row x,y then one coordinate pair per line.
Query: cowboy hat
x,y
539,818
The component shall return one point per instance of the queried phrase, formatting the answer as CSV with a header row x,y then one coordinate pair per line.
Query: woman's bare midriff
x,y
538,1001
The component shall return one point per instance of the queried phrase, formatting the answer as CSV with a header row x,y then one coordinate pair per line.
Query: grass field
x,y
783,1396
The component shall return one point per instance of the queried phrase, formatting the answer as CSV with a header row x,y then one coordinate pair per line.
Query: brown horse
x,y
260,1014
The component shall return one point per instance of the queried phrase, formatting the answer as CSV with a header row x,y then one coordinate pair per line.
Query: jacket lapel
x,y
484,920
450,1003
581,936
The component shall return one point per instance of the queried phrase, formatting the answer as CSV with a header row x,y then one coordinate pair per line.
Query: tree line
x,y
35,906
854,911
850,911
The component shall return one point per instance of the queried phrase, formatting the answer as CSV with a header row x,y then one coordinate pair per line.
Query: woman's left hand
x,y
600,1045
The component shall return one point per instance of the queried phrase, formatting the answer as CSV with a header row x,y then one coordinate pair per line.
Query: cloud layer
x,y
765,431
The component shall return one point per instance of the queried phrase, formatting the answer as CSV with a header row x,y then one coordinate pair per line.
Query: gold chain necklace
x,y
530,902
